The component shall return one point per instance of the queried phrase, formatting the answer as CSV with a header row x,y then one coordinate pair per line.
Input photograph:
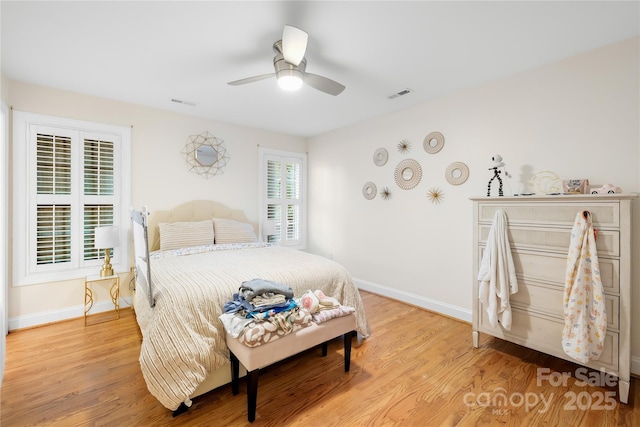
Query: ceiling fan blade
x,y
294,44
251,79
323,84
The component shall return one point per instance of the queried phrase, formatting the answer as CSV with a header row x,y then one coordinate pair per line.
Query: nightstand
x,y
114,291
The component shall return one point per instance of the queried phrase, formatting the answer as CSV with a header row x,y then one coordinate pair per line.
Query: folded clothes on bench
x,y
254,332
254,326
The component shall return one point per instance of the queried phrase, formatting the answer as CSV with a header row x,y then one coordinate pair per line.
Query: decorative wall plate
x,y
408,174
369,190
457,173
433,142
380,157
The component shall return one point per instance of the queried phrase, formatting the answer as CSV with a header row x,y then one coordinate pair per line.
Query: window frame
x,y
26,271
4,230
266,154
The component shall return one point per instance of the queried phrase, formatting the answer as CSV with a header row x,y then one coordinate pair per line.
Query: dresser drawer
x,y
544,334
553,239
603,214
549,300
549,268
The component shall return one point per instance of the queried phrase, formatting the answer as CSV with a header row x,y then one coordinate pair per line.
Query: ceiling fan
x,y
290,65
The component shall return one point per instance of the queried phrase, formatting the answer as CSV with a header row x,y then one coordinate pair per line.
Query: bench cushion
x,y
317,333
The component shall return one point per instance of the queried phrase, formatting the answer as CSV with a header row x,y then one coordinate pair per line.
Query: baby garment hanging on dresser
x,y
585,318
497,273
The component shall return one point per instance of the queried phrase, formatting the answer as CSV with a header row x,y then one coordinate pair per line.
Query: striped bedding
x,y
183,339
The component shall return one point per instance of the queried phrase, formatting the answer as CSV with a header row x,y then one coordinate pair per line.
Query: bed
x,y
184,275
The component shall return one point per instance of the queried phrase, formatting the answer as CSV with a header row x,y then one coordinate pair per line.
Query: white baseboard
x,y
417,300
442,308
43,318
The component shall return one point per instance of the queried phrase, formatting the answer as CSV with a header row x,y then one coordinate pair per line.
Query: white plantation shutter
x,y
72,177
53,185
274,193
53,241
53,157
283,177
292,200
99,169
95,216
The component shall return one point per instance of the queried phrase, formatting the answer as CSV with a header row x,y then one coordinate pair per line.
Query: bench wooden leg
x,y
252,394
348,337
235,373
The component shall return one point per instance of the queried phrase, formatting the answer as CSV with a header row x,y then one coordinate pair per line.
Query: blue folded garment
x,y
239,303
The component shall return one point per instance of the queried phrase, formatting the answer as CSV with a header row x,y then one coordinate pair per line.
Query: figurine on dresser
x,y
497,164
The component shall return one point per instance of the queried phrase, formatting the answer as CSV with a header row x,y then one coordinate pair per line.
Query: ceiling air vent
x,y
180,101
401,93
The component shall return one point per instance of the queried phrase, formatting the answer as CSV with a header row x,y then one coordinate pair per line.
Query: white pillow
x,y
176,235
232,231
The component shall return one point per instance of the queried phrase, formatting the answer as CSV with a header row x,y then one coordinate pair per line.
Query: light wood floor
x,y
417,369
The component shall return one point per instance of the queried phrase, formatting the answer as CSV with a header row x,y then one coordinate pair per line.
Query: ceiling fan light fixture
x,y
291,73
290,80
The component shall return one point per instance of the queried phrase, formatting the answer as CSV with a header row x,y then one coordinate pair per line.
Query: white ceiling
x,y
148,52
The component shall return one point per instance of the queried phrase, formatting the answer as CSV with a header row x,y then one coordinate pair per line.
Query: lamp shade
x,y
106,237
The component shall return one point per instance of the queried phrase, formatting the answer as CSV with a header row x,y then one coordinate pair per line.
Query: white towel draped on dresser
x,y
585,317
497,274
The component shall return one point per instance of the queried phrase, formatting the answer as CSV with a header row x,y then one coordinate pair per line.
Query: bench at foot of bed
x,y
256,358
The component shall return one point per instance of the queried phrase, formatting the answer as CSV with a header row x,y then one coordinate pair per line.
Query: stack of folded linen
x,y
263,311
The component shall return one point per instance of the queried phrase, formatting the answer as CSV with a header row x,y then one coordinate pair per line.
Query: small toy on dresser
x,y
605,189
575,186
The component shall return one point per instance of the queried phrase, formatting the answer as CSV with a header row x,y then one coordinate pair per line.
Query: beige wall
x,y
160,175
579,118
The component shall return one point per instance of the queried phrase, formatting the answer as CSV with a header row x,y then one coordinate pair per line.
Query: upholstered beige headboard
x,y
195,210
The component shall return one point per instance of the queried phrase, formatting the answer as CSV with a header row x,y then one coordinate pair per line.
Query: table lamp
x,y
106,238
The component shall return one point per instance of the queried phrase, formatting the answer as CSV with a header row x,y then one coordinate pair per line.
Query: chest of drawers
x,y
539,230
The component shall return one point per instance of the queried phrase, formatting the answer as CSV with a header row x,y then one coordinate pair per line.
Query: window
x,y
283,197
70,177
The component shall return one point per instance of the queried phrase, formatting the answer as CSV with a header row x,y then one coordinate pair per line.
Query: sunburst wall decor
x,y
435,195
404,146
385,193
